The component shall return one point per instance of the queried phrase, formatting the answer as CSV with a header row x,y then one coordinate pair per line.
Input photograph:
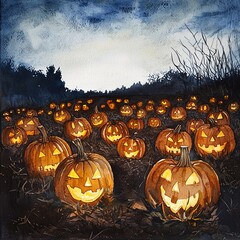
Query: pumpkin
x,y
43,155
126,100
98,119
212,100
193,124
135,123
233,107
83,178
126,110
149,107
8,118
77,128
131,147
77,107
141,113
184,189
191,105
111,105
61,116
85,107
140,104
29,125
90,101
193,98
50,112
52,105
221,117
178,114
226,97
113,131
203,108
170,140
161,110
154,122
13,136
103,106
31,113
166,103
69,104
118,100
40,112
62,105
214,140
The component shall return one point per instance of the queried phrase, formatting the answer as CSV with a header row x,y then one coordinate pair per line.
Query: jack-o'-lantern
x,y
118,100
203,108
40,112
193,98
61,116
126,100
140,104
43,155
220,116
193,124
52,105
131,147
113,131
77,107
50,112
111,104
83,178
233,107
191,105
135,123
134,106
170,140
149,107
214,140
166,103
161,110
31,113
126,110
85,107
154,122
103,106
29,125
8,118
98,119
141,113
150,102
77,128
23,109
13,136
226,97
90,101
212,100
178,114
69,104
220,102
62,105
184,189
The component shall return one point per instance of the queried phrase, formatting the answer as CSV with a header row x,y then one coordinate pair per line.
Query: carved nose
x,y
212,139
88,183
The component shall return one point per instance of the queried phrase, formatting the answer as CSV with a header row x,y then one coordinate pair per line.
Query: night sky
x,y
101,45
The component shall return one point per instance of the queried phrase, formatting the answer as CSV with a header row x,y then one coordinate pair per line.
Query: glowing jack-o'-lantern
x,y
126,110
131,147
154,122
191,105
178,114
85,107
135,123
203,108
98,119
83,178
170,140
31,113
214,140
77,128
40,112
184,189
193,124
43,156
141,113
61,116
212,100
221,117
29,125
77,107
161,110
193,98
166,103
52,105
149,107
113,131
13,136
233,107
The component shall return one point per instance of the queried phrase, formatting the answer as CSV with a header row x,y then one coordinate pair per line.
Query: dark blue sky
x,y
118,42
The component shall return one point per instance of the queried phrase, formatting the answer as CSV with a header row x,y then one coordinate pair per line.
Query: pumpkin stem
x,y
185,157
177,129
212,122
96,109
80,151
44,133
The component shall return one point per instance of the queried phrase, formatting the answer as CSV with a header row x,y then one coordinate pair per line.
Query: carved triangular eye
x,y
211,116
20,122
41,154
80,124
203,134
193,178
170,139
30,122
125,144
73,125
220,116
180,140
11,134
167,174
73,174
109,130
96,175
175,187
56,152
221,134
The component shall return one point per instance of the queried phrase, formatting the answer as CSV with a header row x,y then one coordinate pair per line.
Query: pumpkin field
x,y
132,167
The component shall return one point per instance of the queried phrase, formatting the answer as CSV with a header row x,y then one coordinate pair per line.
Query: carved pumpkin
x,y
212,100
98,119
154,122
118,100
149,107
221,117
193,98
191,105
90,101
77,128
131,147
77,107
29,125
112,132
52,105
111,105
166,103
140,104
214,140
13,136
31,113
85,107
83,178
233,107
161,110
141,113
178,114
126,110
184,189
203,108
43,156
193,124
126,100
61,116
170,140
226,97
135,123
40,112
62,105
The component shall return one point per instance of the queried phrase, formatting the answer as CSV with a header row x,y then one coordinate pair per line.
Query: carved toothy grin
x,y
88,196
184,203
97,122
48,168
175,150
114,138
132,154
80,133
211,148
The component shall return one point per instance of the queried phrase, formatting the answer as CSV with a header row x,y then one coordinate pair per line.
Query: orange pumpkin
x,y
141,113
135,123
161,110
178,114
221,117
29,125
203,108
126,110
98,119
61,116
154,122
233,107
193,124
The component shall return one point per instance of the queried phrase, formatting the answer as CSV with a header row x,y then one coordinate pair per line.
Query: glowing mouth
x,y
30,133
212,148
175,150
98,123
114,138
132,154
88,196
184,203
16,140
48,168
80,133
